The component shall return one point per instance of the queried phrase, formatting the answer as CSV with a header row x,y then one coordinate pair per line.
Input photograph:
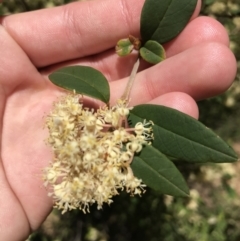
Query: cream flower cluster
x,y
93,151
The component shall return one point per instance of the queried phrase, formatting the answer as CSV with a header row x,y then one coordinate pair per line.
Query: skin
x,y
199,65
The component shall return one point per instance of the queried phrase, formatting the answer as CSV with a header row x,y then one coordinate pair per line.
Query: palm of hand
x,y
28,98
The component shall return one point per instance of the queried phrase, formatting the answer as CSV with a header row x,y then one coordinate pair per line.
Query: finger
x,y
53,35
16,70
201,72
199,30
179,101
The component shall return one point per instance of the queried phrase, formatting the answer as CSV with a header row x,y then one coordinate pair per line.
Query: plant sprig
x,y
177,136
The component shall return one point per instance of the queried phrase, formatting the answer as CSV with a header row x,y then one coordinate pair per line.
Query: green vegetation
x,y
213,210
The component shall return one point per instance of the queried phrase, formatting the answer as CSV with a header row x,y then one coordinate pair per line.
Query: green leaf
x,y
84,80
162,20
153,52
124,47
158,172
180,136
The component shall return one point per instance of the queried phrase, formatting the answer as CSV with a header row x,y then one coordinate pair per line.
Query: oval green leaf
x,y
158,172
152,52
84,80
182,137
162,20
124,47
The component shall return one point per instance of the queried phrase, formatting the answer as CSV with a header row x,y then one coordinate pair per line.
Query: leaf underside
x,y
158,172
162,20
84,80
182,137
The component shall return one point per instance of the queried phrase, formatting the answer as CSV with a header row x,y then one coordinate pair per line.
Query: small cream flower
x,y
93,151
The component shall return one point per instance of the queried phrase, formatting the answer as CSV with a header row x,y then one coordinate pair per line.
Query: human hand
x,y
198,65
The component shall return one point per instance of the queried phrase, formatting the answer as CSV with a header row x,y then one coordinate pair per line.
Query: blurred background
x,y
211,213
